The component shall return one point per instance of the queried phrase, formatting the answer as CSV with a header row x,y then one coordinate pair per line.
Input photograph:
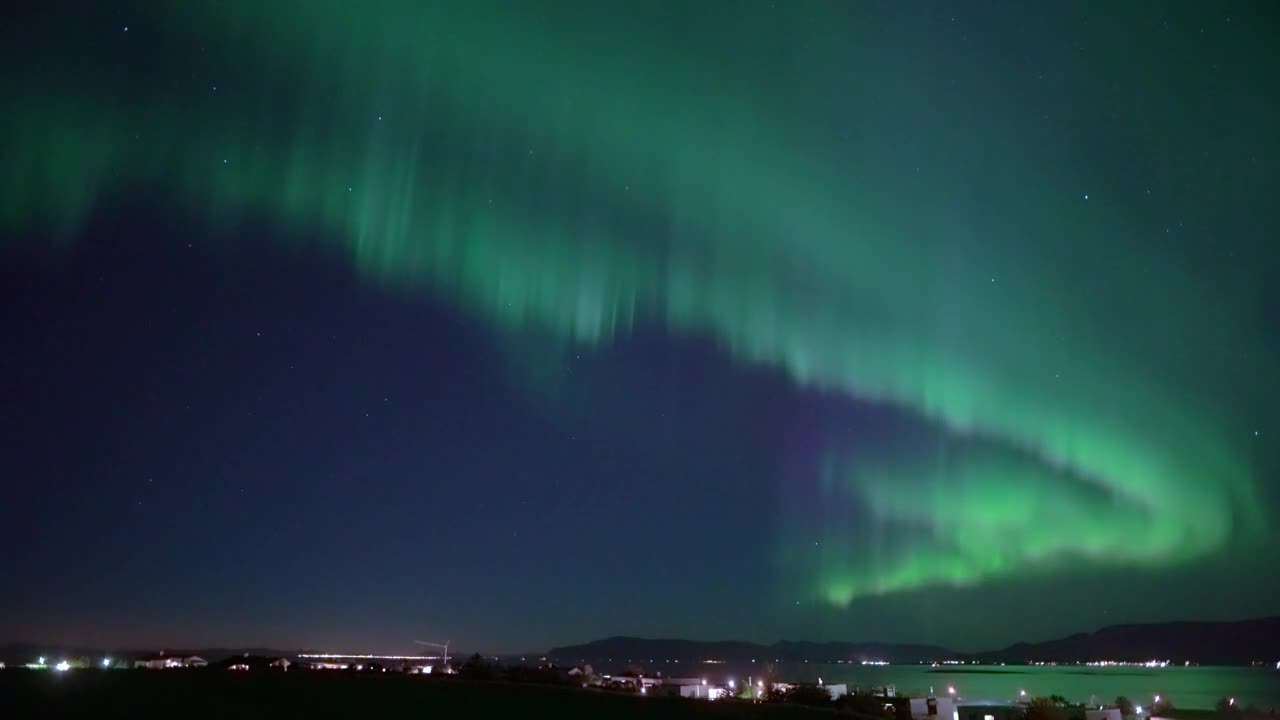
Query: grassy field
x,y
210,693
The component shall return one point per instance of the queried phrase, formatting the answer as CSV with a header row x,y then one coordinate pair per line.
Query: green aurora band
x,y
580,171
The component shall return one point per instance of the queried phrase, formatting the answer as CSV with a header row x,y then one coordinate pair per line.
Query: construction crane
x,y
444,645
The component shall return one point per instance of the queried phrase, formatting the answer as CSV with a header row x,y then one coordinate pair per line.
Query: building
x,y
255,662
161,661
1111,713
942,708
837,690
702,691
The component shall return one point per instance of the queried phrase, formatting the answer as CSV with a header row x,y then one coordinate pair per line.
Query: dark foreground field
x,y
210,693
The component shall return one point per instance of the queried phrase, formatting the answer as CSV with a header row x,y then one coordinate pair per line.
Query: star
x,y
126,28
1086,196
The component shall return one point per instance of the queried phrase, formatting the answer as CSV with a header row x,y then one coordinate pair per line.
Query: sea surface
x,y
1197,687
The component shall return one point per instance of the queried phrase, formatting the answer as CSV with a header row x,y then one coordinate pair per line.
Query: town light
x,y
731,684
40,660
62,666
106,662
1157,698
1022,693
951,689
1232,701
1138,709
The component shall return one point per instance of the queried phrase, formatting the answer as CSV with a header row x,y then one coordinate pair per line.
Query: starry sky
x,y
338,325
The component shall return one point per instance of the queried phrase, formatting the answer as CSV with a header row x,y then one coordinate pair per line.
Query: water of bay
x,y
1196,687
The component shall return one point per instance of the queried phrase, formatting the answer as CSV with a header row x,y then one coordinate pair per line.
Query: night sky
x,y
337,325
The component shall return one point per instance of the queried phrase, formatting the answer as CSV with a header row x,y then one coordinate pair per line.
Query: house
x,y
942,708
702,691
1111,713
161,661
837,690
254,662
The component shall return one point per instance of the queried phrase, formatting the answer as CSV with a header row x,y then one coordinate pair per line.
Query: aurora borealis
x,y
1029,245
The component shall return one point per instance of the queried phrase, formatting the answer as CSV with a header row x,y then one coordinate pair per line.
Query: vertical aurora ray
x,y
571,170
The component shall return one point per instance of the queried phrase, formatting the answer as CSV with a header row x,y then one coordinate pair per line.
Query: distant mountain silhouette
x,y
641,650
1226,643
1208,643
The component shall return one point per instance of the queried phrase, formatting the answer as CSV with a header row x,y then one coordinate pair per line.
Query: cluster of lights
x,y
875,662
340,656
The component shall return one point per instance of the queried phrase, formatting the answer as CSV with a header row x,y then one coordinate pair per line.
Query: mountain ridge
x,y
1204,642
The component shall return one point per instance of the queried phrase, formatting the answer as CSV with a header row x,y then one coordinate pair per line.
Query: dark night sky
x,y
526,326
